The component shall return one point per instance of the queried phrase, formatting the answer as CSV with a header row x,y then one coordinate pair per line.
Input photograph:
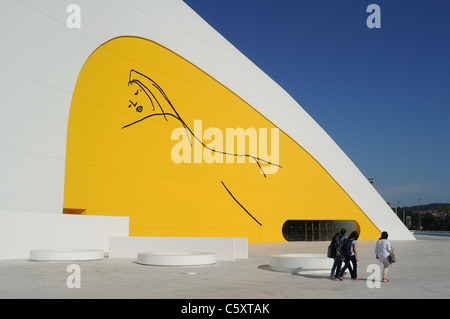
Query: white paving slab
x,y
420,272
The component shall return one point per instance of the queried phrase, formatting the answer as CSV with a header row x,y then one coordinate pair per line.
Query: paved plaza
x,y
421,272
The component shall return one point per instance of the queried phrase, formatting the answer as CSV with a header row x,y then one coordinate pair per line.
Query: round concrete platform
x,y
299,262
66,254
176,258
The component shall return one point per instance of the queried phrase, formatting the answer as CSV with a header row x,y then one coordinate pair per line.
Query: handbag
x,y
392,258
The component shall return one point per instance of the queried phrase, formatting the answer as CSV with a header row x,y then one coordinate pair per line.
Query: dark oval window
x,y
315,230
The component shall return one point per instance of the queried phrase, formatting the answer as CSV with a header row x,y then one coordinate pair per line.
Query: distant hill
x,y
433,207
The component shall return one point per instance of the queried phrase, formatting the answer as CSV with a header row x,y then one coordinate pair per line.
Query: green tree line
x,y
419,217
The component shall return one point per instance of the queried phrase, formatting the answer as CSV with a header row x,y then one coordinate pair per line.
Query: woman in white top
x,y
382,252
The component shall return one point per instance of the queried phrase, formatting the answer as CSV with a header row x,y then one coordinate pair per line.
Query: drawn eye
x,y
134,104
139,109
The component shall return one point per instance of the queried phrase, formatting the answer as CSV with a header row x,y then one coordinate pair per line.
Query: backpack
x,y
346,248
332,249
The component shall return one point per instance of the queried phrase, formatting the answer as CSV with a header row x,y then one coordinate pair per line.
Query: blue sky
x,y
382,94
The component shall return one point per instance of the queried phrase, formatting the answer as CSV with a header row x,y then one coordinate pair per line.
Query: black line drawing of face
x,y
148,99
135,103
160,102
160,105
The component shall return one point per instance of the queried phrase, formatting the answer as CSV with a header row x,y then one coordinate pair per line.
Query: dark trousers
x,y
351,264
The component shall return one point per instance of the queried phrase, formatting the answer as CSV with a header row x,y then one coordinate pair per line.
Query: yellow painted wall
x,y
119,160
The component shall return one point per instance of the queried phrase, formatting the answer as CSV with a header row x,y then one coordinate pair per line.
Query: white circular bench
x,y
176,258
66,254
300,262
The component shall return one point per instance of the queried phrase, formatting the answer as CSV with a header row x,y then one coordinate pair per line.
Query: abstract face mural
x,y
153,137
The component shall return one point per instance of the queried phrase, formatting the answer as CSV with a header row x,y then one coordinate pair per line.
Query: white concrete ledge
x,y
26,231
299,262
176,258
66,254
226,248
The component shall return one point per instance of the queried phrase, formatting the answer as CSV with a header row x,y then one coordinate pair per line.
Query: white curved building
x,y
69,76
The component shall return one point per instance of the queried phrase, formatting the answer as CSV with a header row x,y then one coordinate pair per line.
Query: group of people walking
x,y
345,254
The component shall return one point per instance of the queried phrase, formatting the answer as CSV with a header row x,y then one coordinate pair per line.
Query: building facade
x,y
163,121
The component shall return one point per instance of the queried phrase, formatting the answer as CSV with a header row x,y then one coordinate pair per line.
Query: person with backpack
x,y
350,253
337,257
